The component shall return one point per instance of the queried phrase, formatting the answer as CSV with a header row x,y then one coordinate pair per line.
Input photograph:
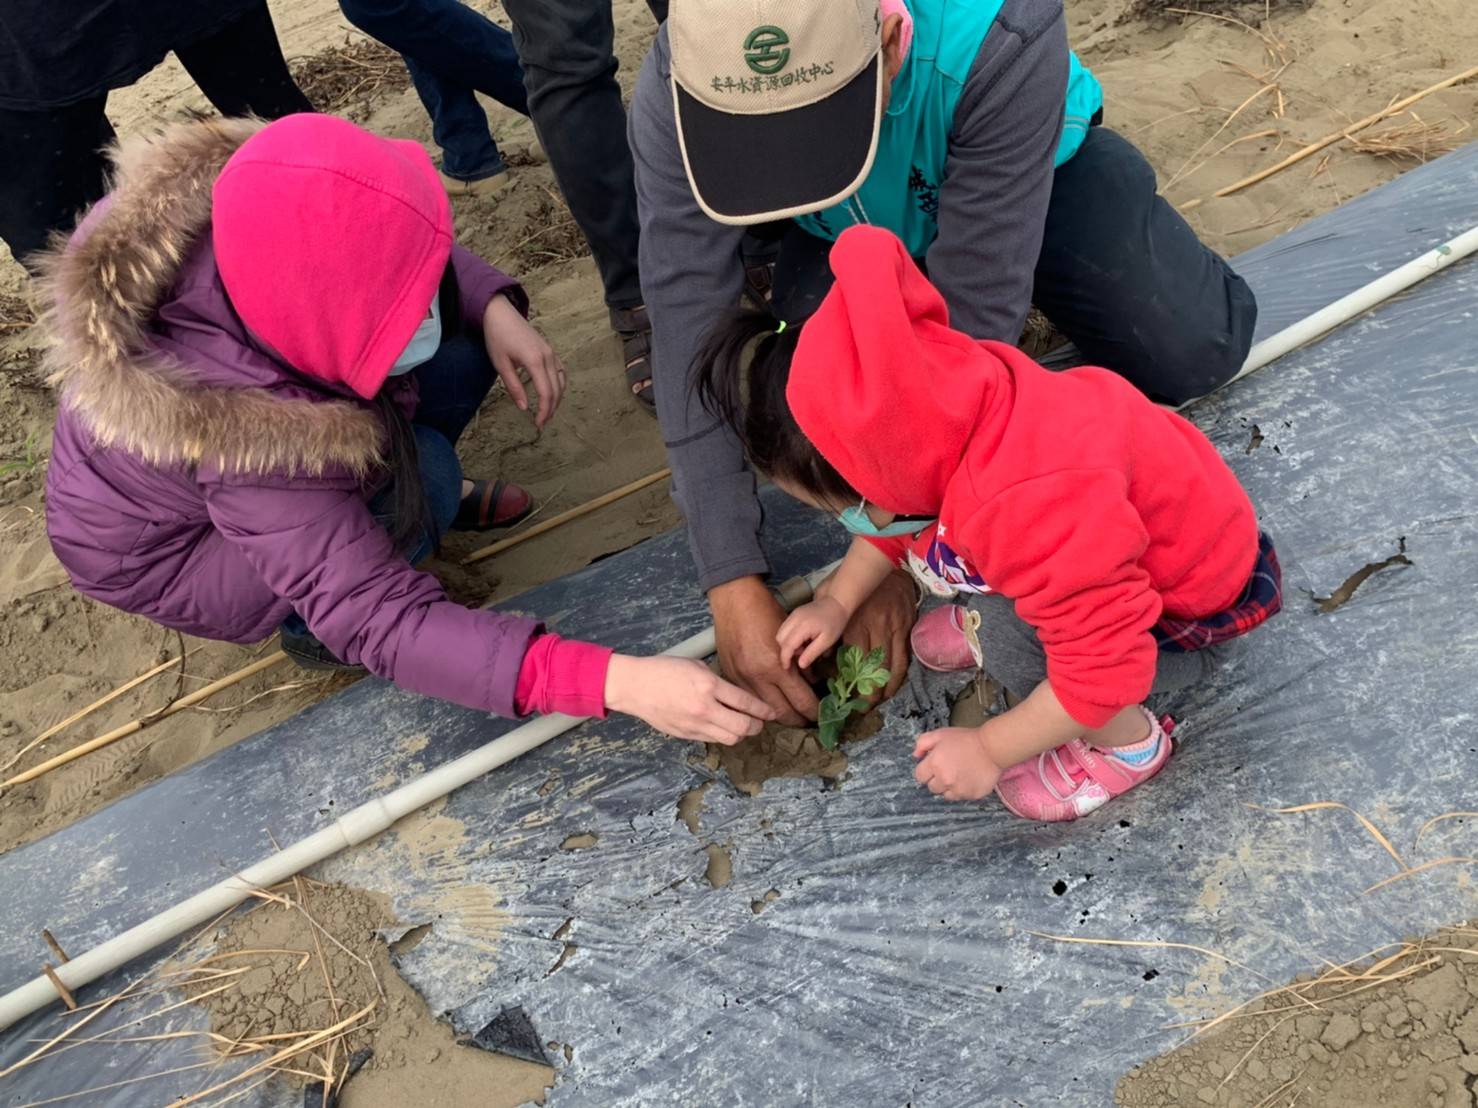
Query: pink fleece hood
x,y
331,243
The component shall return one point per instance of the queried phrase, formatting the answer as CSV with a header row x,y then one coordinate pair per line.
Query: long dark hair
x,y
411,519
754,406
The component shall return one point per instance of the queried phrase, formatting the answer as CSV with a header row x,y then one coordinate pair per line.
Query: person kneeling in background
x,y
1108,548
268,346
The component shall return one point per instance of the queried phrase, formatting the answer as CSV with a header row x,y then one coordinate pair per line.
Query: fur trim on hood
x,y
102,291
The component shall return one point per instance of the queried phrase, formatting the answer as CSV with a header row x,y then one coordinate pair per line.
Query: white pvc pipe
x,y
354,827
1362,299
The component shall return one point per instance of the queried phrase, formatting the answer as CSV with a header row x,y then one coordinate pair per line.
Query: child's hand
x,y
811,630
954,763
515,348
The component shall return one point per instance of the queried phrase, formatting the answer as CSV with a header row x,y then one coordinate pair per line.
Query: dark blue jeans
x,y
452,386
451,52
1121,274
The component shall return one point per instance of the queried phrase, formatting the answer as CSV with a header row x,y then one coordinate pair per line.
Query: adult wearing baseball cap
x,y
968,129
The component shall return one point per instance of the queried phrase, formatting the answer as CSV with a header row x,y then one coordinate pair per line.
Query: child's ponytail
x,y
760,416
411,521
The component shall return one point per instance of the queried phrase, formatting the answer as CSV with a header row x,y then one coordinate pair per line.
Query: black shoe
x,y
308,653
634,330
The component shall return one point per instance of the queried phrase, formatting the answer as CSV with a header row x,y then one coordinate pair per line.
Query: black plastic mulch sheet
x,y
894,960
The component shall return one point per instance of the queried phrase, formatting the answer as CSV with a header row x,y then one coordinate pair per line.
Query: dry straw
x,y
311,1054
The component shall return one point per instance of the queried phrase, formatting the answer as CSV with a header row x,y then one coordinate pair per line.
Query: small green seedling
x,y
27,464
858,677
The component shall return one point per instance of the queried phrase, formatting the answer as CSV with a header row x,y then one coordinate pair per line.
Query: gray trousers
x,y
1015,658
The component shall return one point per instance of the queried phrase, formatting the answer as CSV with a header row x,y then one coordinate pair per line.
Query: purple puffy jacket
x,y
197,480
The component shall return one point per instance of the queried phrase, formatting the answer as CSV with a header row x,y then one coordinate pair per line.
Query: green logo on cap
x,y
767,50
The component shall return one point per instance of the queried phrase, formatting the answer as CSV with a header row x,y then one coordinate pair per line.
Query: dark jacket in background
x,y
57,52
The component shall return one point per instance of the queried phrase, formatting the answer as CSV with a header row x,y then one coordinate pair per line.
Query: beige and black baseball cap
x,y
778,102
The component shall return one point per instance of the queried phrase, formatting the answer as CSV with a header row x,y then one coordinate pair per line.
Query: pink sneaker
x,y
947,639
1076,779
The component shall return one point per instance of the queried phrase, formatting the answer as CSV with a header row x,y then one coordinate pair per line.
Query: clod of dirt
x,y
758,906
690,806
291,951
1379,1039
1342,595
579,842
786,752
720,869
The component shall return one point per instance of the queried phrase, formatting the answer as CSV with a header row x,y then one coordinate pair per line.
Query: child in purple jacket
x,y
267,345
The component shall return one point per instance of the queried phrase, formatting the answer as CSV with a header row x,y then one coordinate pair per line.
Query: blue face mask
x,y
856,521
424,343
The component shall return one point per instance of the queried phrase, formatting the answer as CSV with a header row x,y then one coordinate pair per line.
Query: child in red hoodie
x,y
1108,549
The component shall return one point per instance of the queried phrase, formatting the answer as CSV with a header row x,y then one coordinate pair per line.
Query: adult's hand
x,y
515,349
746,618
683,698
885,619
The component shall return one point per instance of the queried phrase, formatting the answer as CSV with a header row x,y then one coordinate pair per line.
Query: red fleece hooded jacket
x,y
1070,493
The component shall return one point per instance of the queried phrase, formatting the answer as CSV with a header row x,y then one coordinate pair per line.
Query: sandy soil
x,y
1400,1028
1178,85
284,992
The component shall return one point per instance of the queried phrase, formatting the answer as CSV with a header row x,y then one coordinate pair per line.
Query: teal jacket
x,y
901,192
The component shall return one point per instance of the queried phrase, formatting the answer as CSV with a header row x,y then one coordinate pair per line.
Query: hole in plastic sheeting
x,y
583,841
410,940
511,1032
568,951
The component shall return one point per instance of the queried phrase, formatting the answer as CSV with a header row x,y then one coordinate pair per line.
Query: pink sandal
x,y
947,639
1075,778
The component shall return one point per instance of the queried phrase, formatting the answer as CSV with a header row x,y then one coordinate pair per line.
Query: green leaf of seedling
x,y
832,708
849,664
834,685
858,705
833,714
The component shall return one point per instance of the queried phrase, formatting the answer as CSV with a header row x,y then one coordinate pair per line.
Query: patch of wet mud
x,y
786,752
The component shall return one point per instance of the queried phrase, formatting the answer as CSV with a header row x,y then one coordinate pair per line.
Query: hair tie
x,y
781,329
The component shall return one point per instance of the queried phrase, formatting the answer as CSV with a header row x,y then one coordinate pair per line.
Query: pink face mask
x,y
897,7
